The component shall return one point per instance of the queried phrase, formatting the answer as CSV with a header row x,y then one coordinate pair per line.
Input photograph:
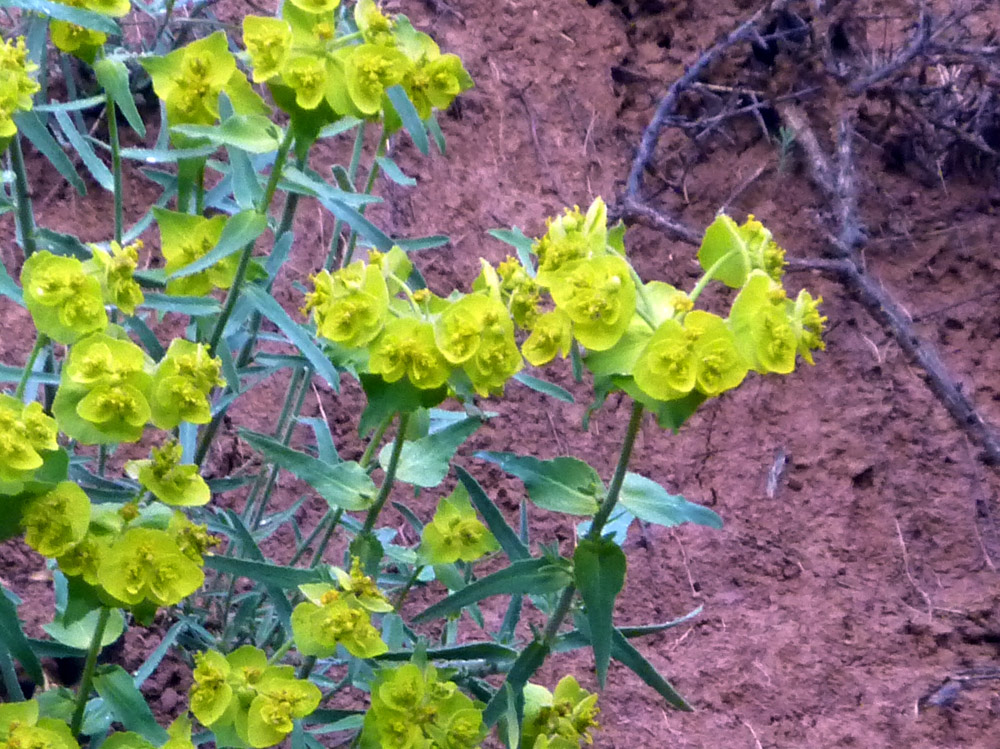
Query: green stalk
x,y
307,666
86,682
390,476
374,442
40,342
116,165
245,255
280,652
709,274
25,216
325,541
10,681
372,175
600,519
352,172
401,598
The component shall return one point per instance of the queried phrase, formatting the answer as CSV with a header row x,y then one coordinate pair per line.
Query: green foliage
x,y
155,348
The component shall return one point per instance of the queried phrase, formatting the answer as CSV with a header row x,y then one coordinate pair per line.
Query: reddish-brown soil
x,y
867,578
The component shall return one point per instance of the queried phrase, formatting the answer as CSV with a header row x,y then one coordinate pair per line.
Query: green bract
x,y
370,70
349,306
335,618
146,564
114,271
56,521
406,348
190,79
26,432
564,718
760,321
182,383
456,533
598,295
730,252
21,728
551,334
16,85
103,392
168,480
268,41
185,238
411,707
64,301
279,700
570,237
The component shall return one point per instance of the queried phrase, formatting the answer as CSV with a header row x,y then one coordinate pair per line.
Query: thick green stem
x,y
307,666
116,165
10,680
390,475
87,679
25,216
40,342
374,442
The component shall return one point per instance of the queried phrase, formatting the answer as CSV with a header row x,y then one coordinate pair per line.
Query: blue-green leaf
x,y
77,16
13,638
31,127
113,76
391,170
516,239
512,546
252,133
599,571
9,287
295,333
286,578
194,306
423,243
649,501
530,660
561,485
128,704
425,462
411,120
625,653
545,387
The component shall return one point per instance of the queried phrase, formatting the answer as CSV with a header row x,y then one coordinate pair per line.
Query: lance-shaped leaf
x,y
623,652
536,576
530,660
31,127
128,704
252,133
113,76
424,462
649,501
411,120
343,485
561,485
577,638
77,16
512,546
286,578
13,638
599,572
240,230
491,651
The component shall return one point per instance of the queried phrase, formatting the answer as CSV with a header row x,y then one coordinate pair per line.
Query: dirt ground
x,y
832,605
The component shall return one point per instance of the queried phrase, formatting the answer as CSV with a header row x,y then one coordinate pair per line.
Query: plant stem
x,y
280,652
401,598
600,518
333,256
374,442
40,342
88,671
10,681
25,216
709,274
372,175
390,475
327,535
307,666
116,165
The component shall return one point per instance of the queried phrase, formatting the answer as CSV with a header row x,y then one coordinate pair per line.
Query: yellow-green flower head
x,y
359,585
170,482
192,539
370,70
375,26
185,238
456,533
316,6
306,75
732,252
759,318
21,728
115,271
182,383
64,301
550,335
434,83
78,41
406,348
279,701
411,707
350,306
25,433
496,360
335,619
103,392
572,236
84,559
550,719
268,41
56,521
191,78
764,252
465,324
113,8
808,324
211,692
179,733
667,369
146,564
720,366
16,85
598,295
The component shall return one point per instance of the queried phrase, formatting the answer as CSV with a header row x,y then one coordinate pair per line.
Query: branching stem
x,y
87,680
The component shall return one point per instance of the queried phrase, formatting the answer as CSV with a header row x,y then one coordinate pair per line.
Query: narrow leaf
x,y
77,16
113,76
599,572
391,170
14,639
252,133
512,546
285,578
530,660
545,387
411,120
417,244
194,306
516,239
649,501
31,127
295,333
345,485
128,704
624,652
240,230
97,168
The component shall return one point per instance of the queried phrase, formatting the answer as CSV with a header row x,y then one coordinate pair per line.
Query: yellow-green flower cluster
x,y
332,616
27,434
80,41
455,533
179,734
22,728
247,702
413,707
185,238
190,79
170,481
66,296
559,720
16,85
110,389
302,53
